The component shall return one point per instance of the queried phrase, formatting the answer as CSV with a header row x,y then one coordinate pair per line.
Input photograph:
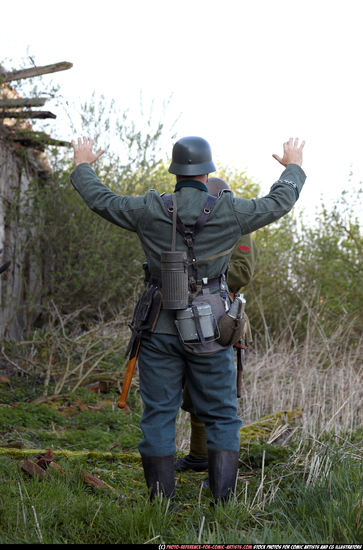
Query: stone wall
x,y
21,283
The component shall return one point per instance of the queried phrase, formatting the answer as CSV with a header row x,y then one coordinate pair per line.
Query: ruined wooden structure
x,y
21,278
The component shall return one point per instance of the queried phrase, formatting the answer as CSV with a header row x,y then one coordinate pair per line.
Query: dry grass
x,y
321,376
66,355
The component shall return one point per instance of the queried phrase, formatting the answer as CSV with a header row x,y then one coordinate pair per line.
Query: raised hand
x,y
83,151
292,152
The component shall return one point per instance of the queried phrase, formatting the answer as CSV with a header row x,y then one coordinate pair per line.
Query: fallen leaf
x,y
55,466
33,469
97,483
45,459
67,411
101,405
81,406
114,445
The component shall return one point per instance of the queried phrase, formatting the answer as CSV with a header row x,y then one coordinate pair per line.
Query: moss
x,y
253,453
128,458
72,430
251,448
262,429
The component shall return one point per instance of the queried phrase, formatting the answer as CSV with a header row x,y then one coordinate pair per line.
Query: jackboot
x,y
222,466
190,462
159,475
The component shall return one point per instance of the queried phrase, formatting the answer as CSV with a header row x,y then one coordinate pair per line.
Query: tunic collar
x,y
191,183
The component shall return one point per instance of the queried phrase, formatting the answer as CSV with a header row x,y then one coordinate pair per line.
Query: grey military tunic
x,y
147,216
163,362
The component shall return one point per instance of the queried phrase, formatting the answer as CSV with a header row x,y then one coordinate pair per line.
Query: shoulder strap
x,y
171,207
188,233
175,216
202,218
170,203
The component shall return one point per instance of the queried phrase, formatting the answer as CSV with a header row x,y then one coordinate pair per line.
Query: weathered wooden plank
x,y
37,140
23,102
37,71
27,114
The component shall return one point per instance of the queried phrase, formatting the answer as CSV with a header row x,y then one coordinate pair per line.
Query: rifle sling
x,y
223,253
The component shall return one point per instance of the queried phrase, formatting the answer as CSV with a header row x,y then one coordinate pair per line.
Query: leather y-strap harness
x,y
189,232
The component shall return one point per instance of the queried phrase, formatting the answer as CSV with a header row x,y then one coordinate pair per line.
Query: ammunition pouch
x,y
205,327
198,324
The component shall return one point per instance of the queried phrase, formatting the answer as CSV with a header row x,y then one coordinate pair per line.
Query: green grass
x,y
65,425
326,512
307,493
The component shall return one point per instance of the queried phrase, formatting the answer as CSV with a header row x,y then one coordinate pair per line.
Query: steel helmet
x,y
216,185
192,156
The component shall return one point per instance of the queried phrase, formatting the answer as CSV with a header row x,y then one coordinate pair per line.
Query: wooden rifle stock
x,y
128,377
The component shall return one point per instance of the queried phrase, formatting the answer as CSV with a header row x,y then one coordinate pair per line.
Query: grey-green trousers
x,y
212,385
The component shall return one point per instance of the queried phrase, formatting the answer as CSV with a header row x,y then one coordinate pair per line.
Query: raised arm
x,y
256,213
119,209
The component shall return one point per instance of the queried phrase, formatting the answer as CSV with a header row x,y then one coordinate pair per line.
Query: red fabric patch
x,y
245,248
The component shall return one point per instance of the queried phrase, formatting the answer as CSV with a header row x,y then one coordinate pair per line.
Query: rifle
x,y
143,323
129,374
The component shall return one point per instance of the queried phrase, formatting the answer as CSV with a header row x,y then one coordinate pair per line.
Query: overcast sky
x,y
245,75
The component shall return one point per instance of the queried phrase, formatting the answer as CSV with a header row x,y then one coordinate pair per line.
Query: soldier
x,y
240,272
196,228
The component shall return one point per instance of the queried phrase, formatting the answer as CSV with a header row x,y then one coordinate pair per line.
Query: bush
x,y
308,273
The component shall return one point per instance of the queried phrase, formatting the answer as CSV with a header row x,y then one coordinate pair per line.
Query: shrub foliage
x,y
304,269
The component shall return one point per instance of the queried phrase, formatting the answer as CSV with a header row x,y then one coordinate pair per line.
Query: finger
x,y
99,153
279,159
302,145
296,142
73,143
79,142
